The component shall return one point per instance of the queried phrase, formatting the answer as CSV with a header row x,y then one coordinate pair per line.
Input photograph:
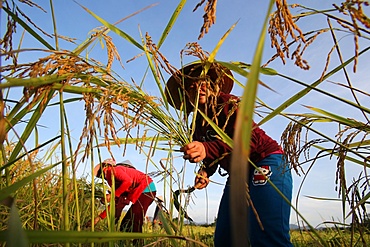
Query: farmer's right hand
x,y
194,152
201,180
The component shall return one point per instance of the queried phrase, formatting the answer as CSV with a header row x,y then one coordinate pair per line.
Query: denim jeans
x,y
272,209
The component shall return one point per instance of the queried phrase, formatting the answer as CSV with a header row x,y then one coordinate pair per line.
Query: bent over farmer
x,y
131,185
211,93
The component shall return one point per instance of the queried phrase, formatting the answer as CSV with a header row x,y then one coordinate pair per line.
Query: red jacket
x,y
261,144
128,180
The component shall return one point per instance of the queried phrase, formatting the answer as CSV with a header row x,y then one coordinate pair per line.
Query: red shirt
x,y
127,180
261,144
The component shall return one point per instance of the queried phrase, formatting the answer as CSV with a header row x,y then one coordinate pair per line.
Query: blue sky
x,y
74,22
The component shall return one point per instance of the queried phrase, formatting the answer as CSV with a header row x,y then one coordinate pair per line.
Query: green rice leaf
x,y
306,90
38,147
171,22
212,56
115,29
224,137
44,237
16,236
33,82
347,157
31,125
265,71
343,120
242,136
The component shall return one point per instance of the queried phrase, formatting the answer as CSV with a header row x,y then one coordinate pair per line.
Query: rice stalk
x,y
5,192
65,173
11,27
115,29
282,25
209,17
344,69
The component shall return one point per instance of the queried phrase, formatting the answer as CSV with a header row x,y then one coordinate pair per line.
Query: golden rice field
x,y
45,202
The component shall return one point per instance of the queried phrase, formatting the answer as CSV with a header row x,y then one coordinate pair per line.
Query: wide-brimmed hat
x,y
106,162
177,83
126,163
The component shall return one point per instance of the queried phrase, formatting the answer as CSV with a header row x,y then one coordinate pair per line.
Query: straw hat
x,y
190,73
97,170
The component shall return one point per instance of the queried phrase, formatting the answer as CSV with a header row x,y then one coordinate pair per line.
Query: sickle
x,y
177,203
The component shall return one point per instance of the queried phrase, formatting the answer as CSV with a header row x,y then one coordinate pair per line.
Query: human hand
x,y
96,220
194,151
201,180
88,224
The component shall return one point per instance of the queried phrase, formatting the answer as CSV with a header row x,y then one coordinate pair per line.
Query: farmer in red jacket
x,y
212,92
132,186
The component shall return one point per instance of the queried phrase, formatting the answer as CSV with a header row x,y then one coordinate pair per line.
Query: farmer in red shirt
x,y
131,185
214,100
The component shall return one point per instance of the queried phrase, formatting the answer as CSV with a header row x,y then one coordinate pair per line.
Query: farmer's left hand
x,y
201,180
96,220
194,152
88,224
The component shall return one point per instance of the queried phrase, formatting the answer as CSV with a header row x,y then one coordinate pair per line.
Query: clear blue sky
x,y
74,22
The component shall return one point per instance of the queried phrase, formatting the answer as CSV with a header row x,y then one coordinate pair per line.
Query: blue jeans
x,y
272,209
